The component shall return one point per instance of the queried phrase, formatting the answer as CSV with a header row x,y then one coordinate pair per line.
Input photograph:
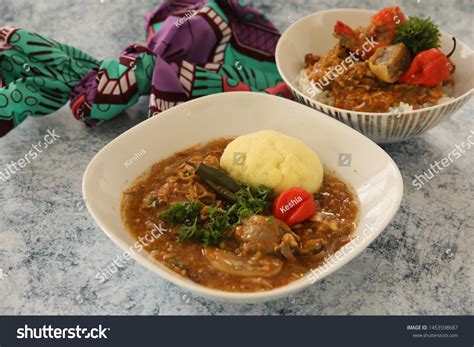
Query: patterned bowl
x,y
313,33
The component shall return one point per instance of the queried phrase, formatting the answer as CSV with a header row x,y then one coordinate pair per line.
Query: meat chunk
x,y
267,235
380,32
243,266
388,63
261,238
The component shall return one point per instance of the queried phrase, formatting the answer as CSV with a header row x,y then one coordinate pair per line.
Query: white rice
x,y
401,108
309,89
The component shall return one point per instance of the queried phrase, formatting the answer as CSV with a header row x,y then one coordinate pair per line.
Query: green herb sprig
x,y
418,34
182,212
212,230
215,230
249,202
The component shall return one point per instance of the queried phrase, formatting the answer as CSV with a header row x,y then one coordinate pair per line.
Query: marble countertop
x,y
51,250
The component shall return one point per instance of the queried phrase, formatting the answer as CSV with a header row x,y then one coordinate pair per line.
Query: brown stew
x,y
260,254
357,89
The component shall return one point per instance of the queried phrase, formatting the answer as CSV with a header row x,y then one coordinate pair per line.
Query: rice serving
x,y
388,66
309,88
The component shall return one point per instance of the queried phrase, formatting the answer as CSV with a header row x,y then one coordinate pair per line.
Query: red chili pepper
x,y
388,18
341,28
347,36
294,205
383,25
429,68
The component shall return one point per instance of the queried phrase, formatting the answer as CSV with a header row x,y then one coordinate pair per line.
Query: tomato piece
x,y
305,211
429,68
343,29
388,17
294,205
384,24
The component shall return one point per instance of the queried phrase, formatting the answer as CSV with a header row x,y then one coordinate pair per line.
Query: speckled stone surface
x,y
51,250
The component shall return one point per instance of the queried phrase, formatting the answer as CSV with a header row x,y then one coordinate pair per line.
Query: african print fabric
x,y
193,48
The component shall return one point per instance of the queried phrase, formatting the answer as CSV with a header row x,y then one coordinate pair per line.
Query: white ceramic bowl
x,y
313,34
372,173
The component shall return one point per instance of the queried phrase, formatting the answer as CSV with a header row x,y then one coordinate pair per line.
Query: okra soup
x,y
243,215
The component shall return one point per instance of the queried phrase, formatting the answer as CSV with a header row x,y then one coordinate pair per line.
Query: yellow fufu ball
x,y
273,159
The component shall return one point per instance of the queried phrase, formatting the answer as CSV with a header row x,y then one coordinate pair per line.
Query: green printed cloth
x,y
193,48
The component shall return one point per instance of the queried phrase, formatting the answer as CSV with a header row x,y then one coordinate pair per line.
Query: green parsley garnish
x,y
249,202
213,229
188,231
182,212
418,34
